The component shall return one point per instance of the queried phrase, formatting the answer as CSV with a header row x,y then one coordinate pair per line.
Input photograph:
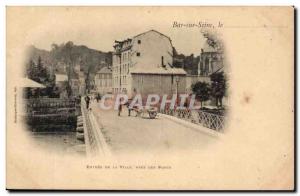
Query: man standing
x,y
119,109
87,101
128,107
98,97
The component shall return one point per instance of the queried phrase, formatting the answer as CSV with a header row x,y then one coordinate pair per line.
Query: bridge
x,y
92,134
107,134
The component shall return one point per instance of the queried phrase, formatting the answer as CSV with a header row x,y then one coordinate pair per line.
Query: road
x,y
129,134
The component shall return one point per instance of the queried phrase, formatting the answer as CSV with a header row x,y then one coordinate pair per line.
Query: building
x,y
60,78
211,60
143,64
208,62
103,80
61,81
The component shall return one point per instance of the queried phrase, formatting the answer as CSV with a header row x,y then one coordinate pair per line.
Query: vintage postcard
x,y
150,98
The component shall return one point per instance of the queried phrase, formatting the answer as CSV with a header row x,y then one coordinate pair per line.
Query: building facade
x,y
211,60
144,64
103,80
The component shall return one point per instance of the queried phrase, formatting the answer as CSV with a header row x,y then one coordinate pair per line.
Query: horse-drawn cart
x,y
142,111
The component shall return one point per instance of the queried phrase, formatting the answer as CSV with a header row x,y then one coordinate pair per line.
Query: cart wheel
x,y
152,114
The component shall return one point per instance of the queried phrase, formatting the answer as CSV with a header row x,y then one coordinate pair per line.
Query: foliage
x,y
188,63
202,91
212,39
39,73
218,87
89,60
71,54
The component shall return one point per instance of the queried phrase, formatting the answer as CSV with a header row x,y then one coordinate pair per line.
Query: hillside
x,y
90,60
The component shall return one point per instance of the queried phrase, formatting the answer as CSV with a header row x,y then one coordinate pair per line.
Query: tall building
x,y
144,64
211,60
103,80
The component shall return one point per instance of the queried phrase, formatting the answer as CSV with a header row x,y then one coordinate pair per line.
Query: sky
x,y
104,40
98,28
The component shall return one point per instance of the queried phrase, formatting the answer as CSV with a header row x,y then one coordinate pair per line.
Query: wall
x,y
103,83
151,48
156,84
210,62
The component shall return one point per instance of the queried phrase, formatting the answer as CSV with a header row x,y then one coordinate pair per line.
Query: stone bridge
x,y
105,133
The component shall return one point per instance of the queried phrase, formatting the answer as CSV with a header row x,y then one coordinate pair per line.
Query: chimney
x,y
162,61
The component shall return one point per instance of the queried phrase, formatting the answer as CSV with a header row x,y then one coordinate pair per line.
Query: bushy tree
x,y
202,91
218,87
39,73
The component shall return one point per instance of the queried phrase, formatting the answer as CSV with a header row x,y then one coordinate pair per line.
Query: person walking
x,y
119,109
98,97
87,101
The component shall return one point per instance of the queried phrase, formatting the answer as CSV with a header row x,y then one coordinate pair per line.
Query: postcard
x,y
150,98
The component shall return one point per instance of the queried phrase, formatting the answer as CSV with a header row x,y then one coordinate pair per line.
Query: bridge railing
x,y
91,143
206,119
51,111
37,106
94,140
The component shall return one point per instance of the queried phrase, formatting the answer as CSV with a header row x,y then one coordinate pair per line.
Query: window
x,y
138,54
139,41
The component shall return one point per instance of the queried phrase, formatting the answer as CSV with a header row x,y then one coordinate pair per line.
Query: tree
x,y
213,40
31,69
39,73
218,87
201,90
88,86
65,53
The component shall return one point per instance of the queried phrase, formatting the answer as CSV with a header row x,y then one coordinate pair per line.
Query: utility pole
x,y
177,81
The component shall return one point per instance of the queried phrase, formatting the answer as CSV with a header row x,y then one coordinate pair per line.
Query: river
x,y
59,142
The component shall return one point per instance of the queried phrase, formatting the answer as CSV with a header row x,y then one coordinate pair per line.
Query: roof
x,y
159,70
153,31
105,70
129,39
219,70
61,77
26,82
